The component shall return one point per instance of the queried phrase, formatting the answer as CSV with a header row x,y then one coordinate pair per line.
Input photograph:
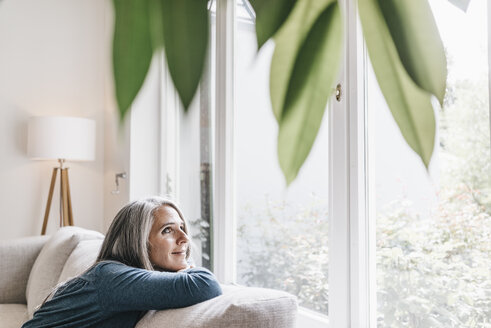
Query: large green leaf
x,y
185,25
288,41
415,35
156,24
313,76
132,50
270,15
410,105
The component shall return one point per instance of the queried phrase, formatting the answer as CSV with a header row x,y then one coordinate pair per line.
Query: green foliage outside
x,y
285,247
436,271
431,271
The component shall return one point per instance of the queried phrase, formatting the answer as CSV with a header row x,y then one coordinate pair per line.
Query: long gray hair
x,y
127,238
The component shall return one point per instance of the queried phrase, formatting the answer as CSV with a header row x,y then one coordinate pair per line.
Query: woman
x,y
142,265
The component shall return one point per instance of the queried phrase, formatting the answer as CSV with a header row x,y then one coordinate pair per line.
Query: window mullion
x,y
349,275
360,230
224,204
339,255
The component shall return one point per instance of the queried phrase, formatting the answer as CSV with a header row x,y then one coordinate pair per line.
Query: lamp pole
x,y
66,213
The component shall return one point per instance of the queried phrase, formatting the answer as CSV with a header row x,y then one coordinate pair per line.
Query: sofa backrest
x,y
17,257
238,307
50,262
82,258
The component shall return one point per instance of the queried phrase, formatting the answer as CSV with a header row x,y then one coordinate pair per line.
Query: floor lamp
x,y
62,139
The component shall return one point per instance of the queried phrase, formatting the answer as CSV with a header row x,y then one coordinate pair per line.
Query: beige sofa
x,y
30,267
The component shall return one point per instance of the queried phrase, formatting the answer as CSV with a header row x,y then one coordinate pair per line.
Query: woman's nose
x,y
183,238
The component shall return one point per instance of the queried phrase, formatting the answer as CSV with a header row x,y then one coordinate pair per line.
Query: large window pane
x,y
282,232
433,228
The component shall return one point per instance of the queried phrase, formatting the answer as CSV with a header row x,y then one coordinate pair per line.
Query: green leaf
x,y
270,15
313,76
185,25
156,24
415,34
462,4
410,105
132,50
288,41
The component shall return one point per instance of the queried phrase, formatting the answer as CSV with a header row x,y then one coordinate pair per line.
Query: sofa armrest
x,y
17,257
238,307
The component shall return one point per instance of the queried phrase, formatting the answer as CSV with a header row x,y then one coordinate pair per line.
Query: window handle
x,y
338,92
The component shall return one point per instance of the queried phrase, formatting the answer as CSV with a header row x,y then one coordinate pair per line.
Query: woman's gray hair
x,y
127,238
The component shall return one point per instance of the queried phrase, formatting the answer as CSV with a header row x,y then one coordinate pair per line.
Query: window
x,y
433,250
364,236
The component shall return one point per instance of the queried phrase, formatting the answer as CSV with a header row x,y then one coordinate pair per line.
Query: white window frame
x,y
351,278
224,229
348,226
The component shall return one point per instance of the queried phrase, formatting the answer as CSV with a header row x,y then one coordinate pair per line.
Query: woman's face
x,y
168,241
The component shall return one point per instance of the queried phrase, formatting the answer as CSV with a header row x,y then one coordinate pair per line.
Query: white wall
x,y
53,57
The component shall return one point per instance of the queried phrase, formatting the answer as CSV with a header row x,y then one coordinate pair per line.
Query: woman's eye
x,y
166,230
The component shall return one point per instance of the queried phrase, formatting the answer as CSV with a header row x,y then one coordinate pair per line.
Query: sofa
x,y
31,267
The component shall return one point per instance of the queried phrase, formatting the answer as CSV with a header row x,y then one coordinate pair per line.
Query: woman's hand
x,y
188,267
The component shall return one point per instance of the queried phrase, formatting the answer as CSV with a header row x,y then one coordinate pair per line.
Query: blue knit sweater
x,y
112,294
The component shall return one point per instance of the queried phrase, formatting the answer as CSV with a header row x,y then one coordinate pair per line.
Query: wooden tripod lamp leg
x,y
50,197
68,198
64,197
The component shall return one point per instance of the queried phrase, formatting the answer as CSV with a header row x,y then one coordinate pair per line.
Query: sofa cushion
x,y
12,315
50,262
238,307
82,257
17,258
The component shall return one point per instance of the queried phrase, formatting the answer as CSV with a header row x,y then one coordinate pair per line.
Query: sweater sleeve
x,y
124,288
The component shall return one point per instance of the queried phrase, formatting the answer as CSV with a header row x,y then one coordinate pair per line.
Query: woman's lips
x,y
179,253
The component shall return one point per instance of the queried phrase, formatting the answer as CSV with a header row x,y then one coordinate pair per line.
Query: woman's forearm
x,y
128,289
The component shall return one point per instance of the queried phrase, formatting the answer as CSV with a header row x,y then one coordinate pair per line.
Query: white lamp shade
x,y
55,137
